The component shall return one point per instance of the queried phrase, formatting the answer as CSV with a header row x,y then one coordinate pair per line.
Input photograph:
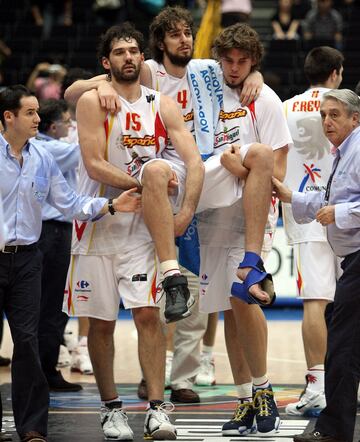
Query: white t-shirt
x,y
134,136
309,162
263,121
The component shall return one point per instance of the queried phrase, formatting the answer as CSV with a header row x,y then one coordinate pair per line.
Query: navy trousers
x,y
342,364
20,291
55,244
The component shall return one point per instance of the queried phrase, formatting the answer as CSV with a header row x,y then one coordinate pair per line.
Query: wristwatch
x,y
111,207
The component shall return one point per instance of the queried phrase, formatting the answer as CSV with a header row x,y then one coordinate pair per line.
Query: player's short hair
x,y
166,21
125,31
10,100
320,62
347,97
50,111
239,36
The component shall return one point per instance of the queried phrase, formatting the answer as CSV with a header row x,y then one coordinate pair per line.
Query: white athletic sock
x,y
316,378
207,351
82,341
169,268
260,383
169,354
110,401
244,392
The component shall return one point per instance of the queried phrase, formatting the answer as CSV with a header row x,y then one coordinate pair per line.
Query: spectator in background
x,y
47,13
55,242
357,89
45,80
235,11
109,12
323,25
285,25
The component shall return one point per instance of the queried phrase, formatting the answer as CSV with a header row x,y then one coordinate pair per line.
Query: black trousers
x,y
342,364
20,291
55,244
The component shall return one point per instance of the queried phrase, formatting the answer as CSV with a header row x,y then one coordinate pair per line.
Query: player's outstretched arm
x,y
185,146
90,119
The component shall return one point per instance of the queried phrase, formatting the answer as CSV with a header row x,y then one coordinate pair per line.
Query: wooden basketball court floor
x,y
74,417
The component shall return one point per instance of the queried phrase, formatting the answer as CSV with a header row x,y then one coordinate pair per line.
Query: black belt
x,y
17,249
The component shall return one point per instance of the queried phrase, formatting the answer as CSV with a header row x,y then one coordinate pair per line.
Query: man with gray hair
x,y
338,208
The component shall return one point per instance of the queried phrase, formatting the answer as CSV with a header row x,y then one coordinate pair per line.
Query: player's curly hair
x,y
164,22
239,36
125,31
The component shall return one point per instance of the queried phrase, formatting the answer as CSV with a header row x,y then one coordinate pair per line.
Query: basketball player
x,y
118,256
317,267
221,233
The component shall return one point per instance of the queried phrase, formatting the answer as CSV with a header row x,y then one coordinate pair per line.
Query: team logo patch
x,y
139,277
309,182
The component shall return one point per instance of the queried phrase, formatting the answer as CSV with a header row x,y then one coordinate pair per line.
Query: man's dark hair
x,y
125,31
320,63
51,110
240,36
72,75
10,100
166,21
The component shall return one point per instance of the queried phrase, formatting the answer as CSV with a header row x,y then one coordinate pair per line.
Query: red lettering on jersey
x,y
160,132
315,94
295,106
132,121
182,98
79,229
303,106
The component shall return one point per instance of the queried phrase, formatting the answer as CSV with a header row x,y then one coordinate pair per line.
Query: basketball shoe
x,y
243,421
310,404
157,424
178,298
206,375
114,422
266,412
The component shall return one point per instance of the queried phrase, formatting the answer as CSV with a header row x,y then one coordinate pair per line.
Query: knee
x,y
260,155
146,318
156,173
101,328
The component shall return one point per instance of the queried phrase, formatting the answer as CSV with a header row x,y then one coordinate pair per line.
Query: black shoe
x,y
184,396
4,362
315,436
58,384
178,298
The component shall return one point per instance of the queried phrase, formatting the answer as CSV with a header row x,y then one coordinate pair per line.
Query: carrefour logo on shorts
x,y
309,182
82,286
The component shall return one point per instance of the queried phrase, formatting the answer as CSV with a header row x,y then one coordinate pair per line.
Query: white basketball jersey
x,y
309,162
133,137
178,89
263,121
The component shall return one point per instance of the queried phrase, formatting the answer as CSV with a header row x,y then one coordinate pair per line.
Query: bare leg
x,y
83,326
151,349
314,331
156,209
170,331
101,350
239,366
256,201
210,333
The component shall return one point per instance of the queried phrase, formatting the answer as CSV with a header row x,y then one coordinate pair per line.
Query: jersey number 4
x,y
182,98
133,121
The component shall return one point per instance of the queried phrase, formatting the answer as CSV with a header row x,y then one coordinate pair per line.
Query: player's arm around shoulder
x,y
185,146
90,119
